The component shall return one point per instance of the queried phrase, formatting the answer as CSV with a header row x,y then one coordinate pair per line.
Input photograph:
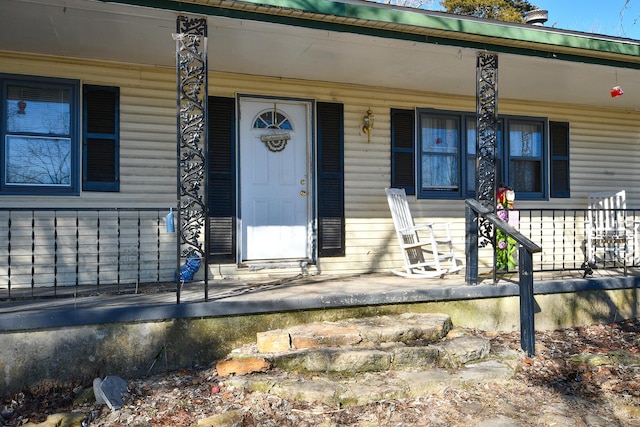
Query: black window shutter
x,y
402,149
221,182
331,230
100,138
559,132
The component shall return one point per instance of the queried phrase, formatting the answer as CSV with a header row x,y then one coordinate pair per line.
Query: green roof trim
x,y
487,34
509,31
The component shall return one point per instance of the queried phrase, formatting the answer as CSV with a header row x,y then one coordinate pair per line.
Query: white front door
x,y
275,191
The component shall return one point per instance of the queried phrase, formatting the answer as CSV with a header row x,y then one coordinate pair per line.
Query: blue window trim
x,y
504,124
74,134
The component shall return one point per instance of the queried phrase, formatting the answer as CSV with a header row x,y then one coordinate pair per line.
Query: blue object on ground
x,y
189,268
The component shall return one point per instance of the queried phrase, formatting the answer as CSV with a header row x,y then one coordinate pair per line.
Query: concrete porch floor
x,y
82,306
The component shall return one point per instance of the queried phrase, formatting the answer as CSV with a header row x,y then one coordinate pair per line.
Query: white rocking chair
x,y
608,234
413,247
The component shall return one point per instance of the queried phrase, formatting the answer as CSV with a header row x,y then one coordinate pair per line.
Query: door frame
x,y
311,166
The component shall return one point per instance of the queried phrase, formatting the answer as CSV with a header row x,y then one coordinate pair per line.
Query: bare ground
x,y
586,376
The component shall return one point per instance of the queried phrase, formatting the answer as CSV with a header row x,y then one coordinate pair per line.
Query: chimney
x,y
536,17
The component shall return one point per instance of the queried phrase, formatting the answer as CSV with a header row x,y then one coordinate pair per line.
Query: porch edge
x,y
14,319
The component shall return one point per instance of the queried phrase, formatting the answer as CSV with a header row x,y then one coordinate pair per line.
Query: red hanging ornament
x,y
616,91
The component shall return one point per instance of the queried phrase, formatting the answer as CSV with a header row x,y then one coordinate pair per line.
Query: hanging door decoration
x,y
277,137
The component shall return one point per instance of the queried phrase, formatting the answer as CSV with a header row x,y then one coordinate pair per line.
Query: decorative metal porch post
x,y
479,231
191,74
486,140
486,135
486,147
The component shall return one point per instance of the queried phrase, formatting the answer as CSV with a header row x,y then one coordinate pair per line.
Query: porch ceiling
x,y
116,32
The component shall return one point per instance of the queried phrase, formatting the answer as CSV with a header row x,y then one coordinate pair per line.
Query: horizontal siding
x,y
147,130
604,150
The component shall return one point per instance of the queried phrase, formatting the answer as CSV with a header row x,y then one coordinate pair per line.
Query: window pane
x,y
440,142
526,176
272,120
471,154
440,135
439,172
526,151
38,110
38,161
525,139
471,137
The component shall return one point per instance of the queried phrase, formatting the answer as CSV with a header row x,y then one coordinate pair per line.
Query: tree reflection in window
x,y
38,161
38,147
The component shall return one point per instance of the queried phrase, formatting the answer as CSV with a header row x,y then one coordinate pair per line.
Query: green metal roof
x,y
418,25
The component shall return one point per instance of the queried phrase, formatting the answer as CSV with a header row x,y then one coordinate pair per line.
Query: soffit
x,y
142,35
443,28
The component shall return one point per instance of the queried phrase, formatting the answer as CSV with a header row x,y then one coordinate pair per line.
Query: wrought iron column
x,y
479,232
487,122
486,142
191,74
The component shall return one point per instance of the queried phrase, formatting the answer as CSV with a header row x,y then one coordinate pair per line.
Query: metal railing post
x,y
471,246
527,303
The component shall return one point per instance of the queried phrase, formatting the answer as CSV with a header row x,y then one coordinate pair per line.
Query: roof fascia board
x,y
539,43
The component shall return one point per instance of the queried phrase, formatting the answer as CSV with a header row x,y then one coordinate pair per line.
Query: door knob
x,y
303,193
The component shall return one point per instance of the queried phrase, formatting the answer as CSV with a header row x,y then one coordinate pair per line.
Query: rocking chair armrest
x,y
446,224
416,227
443,226
431,224
415,245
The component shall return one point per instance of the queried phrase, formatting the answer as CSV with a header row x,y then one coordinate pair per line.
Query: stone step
x,y
450,353
358,361
373,387
407,341
425,327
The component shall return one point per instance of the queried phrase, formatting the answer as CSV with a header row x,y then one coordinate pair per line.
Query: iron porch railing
x,y
475,215
561,233
74,251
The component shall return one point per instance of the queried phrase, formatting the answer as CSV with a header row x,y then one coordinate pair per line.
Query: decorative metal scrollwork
x,y
191,69
486,138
